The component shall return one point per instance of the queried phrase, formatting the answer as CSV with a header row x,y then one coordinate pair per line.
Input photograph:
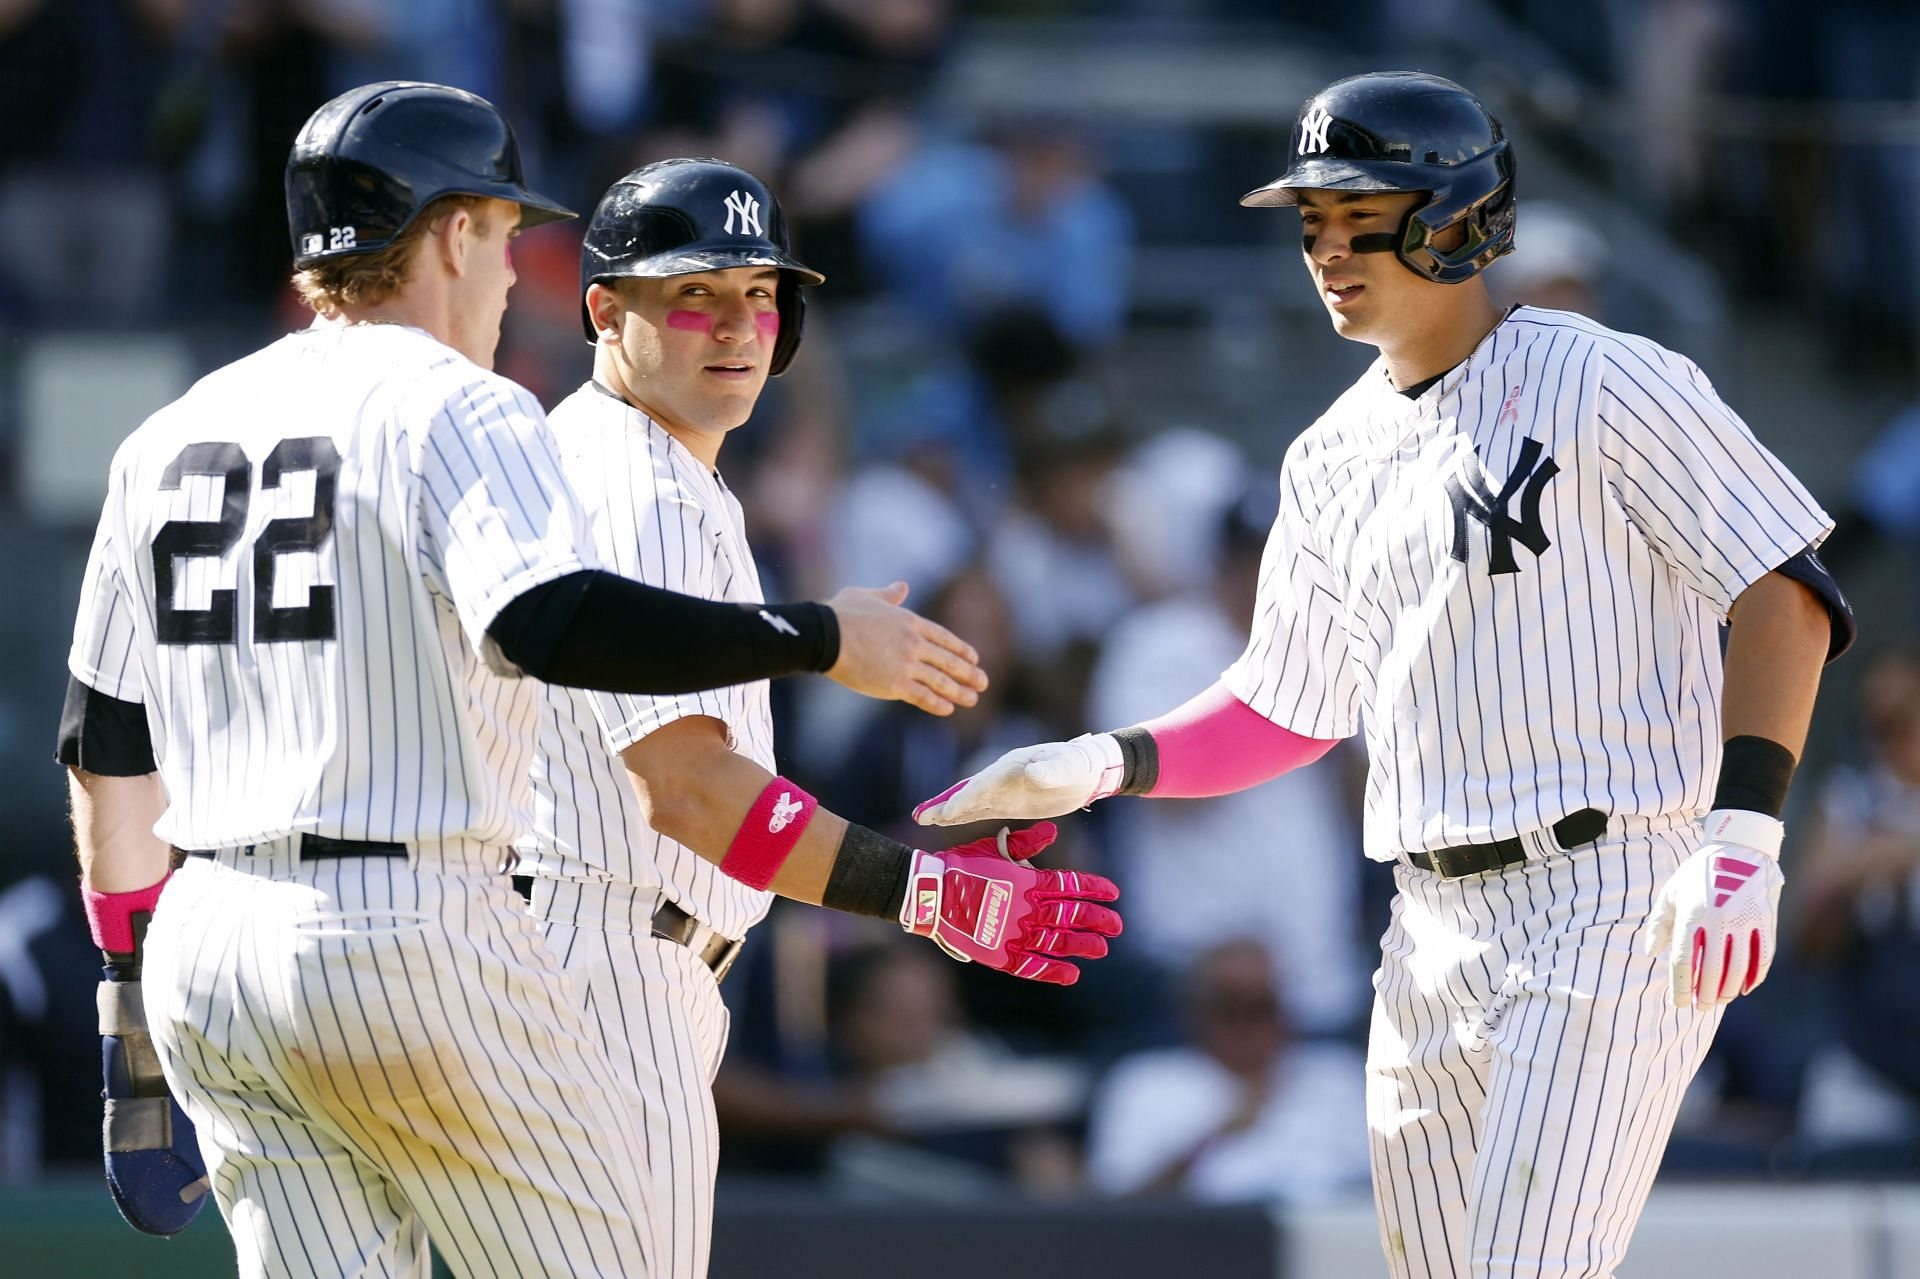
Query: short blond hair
x,y
366,279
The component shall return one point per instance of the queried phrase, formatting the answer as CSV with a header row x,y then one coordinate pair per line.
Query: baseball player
x,y
660,822
318,581
1504,554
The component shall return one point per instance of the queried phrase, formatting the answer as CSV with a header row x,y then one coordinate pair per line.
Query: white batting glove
x,y
1031,783
1717,917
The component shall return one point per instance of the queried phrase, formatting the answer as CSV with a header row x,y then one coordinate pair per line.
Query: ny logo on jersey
x,y
748,210
1474,499
1313,130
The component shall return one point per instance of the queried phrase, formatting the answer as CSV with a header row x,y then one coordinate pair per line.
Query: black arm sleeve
x,y
103,735
604,631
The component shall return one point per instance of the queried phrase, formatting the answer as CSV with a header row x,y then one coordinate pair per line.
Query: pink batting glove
x,y
1717,916
981,903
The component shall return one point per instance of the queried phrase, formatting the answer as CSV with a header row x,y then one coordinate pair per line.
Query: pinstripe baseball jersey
x,y
658,514
1514,580
298,588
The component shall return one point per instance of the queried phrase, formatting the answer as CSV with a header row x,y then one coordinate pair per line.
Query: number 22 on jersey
x,y
218,623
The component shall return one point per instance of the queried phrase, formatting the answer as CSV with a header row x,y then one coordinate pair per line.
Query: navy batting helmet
x,y
1407,131
367,162
676,217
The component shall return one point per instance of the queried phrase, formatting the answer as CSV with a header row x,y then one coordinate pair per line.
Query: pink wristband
x,y
768,835
110,915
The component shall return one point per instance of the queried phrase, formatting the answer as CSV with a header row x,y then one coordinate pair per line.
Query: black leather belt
x,y
315,848
670,923
1571,831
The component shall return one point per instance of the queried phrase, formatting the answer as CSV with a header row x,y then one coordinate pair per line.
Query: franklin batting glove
x,y
981,904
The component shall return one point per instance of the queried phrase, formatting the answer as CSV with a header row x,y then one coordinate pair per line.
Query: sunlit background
x,y
1048,383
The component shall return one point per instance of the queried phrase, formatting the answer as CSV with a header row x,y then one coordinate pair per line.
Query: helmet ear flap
x,y
791,303
1480,197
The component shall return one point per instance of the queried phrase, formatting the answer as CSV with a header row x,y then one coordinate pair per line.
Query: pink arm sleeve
x,y
1216,744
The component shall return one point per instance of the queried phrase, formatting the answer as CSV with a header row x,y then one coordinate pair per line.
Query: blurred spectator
x,y
1280,862
606,48
903,756
1678,58
1883,501
1247,1112
1052,553
1857,880
960,231
1559,258
819,98
83,213
948,1093
1165,506
900,521
456,42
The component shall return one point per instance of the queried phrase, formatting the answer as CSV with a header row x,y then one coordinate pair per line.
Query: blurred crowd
x,y
957,420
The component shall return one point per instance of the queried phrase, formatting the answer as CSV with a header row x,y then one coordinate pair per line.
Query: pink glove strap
x,y
110,915
1217,744
767,837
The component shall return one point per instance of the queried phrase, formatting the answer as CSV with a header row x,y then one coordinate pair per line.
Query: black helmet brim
x,y
1319,175
694,259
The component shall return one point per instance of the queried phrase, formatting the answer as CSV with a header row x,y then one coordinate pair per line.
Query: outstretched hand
x,y
896,655
1047,780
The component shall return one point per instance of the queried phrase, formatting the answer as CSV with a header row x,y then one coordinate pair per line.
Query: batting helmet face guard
x,y
1406,131
676,217
367,162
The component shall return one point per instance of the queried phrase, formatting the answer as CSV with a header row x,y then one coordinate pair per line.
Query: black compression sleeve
x,y
604,631
103,735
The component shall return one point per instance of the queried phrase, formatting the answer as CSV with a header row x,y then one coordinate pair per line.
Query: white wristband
x,y
1748,829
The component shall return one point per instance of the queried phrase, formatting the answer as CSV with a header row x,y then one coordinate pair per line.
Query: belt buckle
x,y
722,963
1446,863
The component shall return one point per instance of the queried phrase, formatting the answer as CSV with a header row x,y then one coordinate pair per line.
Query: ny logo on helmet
x,y
748,210
1313,130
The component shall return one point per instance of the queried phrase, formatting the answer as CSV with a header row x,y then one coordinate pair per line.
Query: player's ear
x,y
450,238
604,306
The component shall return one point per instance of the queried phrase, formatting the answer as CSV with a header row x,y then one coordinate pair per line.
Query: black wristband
x,y
1140,761
1754,774
869,875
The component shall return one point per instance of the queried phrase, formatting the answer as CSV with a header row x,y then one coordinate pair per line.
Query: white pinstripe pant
x,y
1524,1066
658,1011
374,1053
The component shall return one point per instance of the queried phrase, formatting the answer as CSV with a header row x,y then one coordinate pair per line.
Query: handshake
x,y
980,902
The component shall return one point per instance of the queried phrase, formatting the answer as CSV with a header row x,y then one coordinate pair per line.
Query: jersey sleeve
x,y
665,539
497,515
103,655
1711,501
1296,669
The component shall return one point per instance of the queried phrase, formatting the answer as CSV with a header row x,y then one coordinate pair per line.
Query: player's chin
x,y
1349,324
731,401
